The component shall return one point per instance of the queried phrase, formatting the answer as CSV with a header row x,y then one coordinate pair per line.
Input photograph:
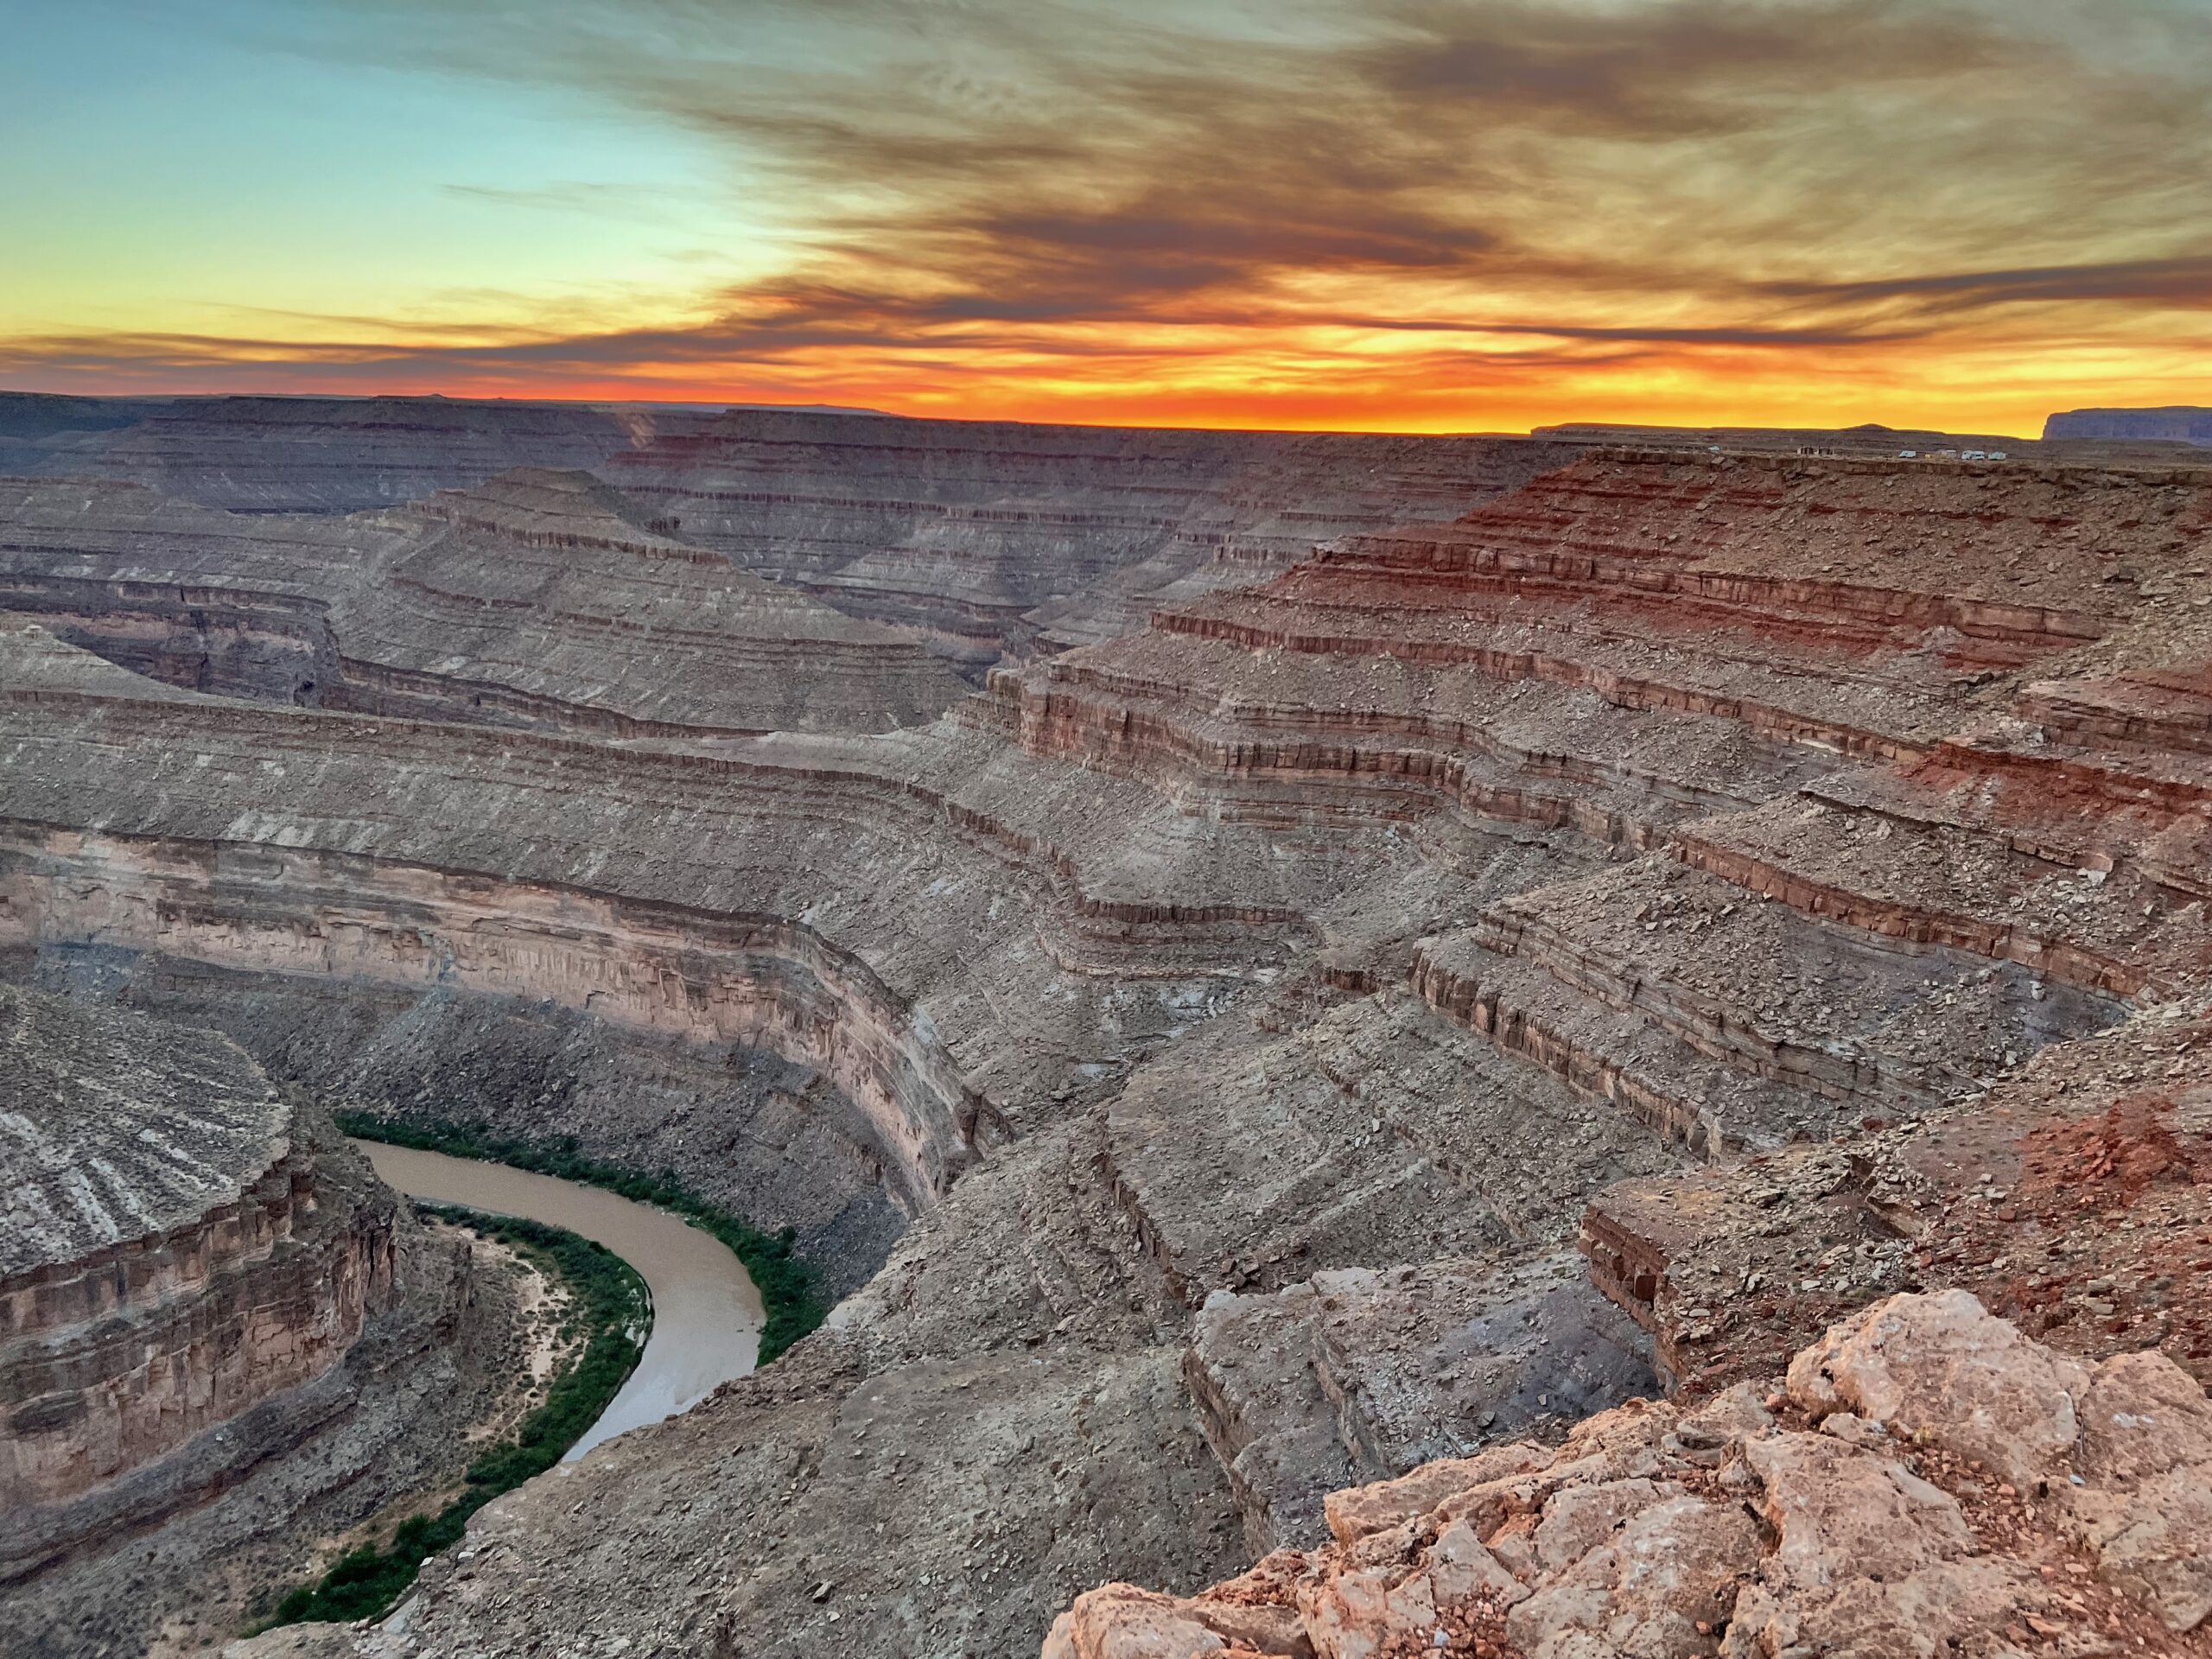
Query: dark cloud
x,y
1677,70
2181,284
1029,160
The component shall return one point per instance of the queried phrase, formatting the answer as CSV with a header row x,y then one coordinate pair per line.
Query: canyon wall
x,y
708,977
173,1260
541,599
979,537
203,1290
1262,1016
997,538
317,454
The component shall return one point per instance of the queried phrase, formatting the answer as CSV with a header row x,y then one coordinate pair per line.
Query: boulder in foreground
x,y
1927,1481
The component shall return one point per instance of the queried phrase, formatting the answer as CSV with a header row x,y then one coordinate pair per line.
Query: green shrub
x,y
791,1294
615,1313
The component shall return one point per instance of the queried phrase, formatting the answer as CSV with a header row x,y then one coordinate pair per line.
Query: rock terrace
x,y
114,1130
1600,918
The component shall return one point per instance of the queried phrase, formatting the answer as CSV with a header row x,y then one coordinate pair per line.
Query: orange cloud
x,y
1422,215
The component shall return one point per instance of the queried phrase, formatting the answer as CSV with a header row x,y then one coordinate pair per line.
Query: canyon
x,y
1258,966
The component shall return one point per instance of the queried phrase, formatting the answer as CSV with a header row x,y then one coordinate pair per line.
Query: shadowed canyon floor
x,y
1600,917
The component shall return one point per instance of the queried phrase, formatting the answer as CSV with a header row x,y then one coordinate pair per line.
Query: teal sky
x,y
197,166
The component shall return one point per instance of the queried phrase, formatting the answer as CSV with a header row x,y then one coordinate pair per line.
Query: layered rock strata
x,y
2075,1197
168,1263
997,538
541,599
212,1310
1346,936
223,1338
320,454
1926,1480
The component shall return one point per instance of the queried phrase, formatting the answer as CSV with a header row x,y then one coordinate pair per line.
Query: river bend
x,y
707,1313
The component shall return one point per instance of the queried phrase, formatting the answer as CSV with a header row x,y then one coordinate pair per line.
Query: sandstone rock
x,y
1461,1569
1962,1605
1943,1364
1626,1544
1658,1586
1841,1513
1581,1517
1120,1621
1354,1514
2142,1416
1368,1610
2147,1455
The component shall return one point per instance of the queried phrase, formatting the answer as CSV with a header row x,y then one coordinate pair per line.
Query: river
x,y
707,1315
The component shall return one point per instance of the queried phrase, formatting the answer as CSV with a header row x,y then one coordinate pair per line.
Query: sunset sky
x,y
1410,214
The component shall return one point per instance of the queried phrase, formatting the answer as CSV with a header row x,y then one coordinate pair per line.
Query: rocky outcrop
x,y
1926,1480
197,1279
170,1261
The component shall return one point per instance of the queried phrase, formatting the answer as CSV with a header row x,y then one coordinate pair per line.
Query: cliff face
x,y
997,538
1258,1014
980,537
175,1255
320,454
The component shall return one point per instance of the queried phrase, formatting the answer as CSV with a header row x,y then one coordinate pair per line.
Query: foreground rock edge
x,y
1926,1480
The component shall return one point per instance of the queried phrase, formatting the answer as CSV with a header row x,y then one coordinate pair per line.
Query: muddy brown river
x,y
707,1315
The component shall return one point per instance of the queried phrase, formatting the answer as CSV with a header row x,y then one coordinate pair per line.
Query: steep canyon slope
x,y
1253,1025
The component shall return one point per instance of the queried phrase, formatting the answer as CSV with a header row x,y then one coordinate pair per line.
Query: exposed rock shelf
x,y
541,599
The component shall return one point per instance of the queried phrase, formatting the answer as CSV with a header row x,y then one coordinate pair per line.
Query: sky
x,y
1420,215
